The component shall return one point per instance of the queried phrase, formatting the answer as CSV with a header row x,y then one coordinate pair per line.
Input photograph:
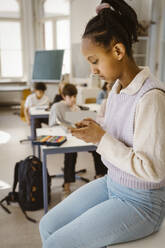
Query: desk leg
x,y
33,149
45,182
32,120
39,152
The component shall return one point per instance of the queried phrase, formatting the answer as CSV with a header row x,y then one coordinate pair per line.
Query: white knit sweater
x,y
134,153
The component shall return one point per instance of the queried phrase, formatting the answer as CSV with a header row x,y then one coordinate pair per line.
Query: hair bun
x,y
102,6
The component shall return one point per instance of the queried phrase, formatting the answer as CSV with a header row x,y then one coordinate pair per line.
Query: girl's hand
x,y
88,130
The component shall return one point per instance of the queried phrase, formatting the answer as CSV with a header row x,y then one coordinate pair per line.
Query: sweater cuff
x,y
113,150
104,145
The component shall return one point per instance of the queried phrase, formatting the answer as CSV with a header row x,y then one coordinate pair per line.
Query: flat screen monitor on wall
x,y
48,66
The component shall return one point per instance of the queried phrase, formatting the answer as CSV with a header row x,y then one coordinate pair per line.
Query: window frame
x,y
20,21
54,19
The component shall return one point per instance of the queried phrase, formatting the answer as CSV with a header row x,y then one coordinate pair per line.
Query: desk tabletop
x,y
62,131
7,88
40,110
93,106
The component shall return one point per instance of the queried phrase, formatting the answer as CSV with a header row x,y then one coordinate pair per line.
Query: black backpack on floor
x,y
28,175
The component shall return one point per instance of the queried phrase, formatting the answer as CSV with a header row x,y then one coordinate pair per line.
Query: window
x,y
56,18
49,35
63,42
9,7
11,62
56,7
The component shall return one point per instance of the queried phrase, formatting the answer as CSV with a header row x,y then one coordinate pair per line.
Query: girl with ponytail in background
x,y
129,202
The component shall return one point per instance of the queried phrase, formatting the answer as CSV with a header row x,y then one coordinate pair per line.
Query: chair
x,y
25,93
90,100
4,185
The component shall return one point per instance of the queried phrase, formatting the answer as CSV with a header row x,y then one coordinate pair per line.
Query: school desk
x,y
71,145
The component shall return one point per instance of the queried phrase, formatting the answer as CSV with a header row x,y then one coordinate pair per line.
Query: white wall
x,y
81,12
155,37
161,71
28,36
142,8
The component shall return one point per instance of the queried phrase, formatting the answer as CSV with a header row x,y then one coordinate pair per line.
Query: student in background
x,y
103,94
57,116
129,202
58,97
67,104
38,98
100,168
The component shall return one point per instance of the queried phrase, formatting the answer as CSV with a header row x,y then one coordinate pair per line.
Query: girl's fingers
x,y
84,122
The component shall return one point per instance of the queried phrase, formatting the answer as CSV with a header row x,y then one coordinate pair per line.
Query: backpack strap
x,y
15,176
27,217
9,197
6,209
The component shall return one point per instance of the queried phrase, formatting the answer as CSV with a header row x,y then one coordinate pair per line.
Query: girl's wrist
x,y
101,134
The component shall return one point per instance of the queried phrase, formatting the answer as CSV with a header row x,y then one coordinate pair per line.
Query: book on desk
x,y
49,140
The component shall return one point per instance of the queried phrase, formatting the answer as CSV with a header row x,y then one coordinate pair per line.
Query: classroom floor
x,y
15,230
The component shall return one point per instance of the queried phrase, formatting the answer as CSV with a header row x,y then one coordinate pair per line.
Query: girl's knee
x,y
43,229
41,225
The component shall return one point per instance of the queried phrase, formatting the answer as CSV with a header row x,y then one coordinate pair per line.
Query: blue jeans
x,y
102,213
